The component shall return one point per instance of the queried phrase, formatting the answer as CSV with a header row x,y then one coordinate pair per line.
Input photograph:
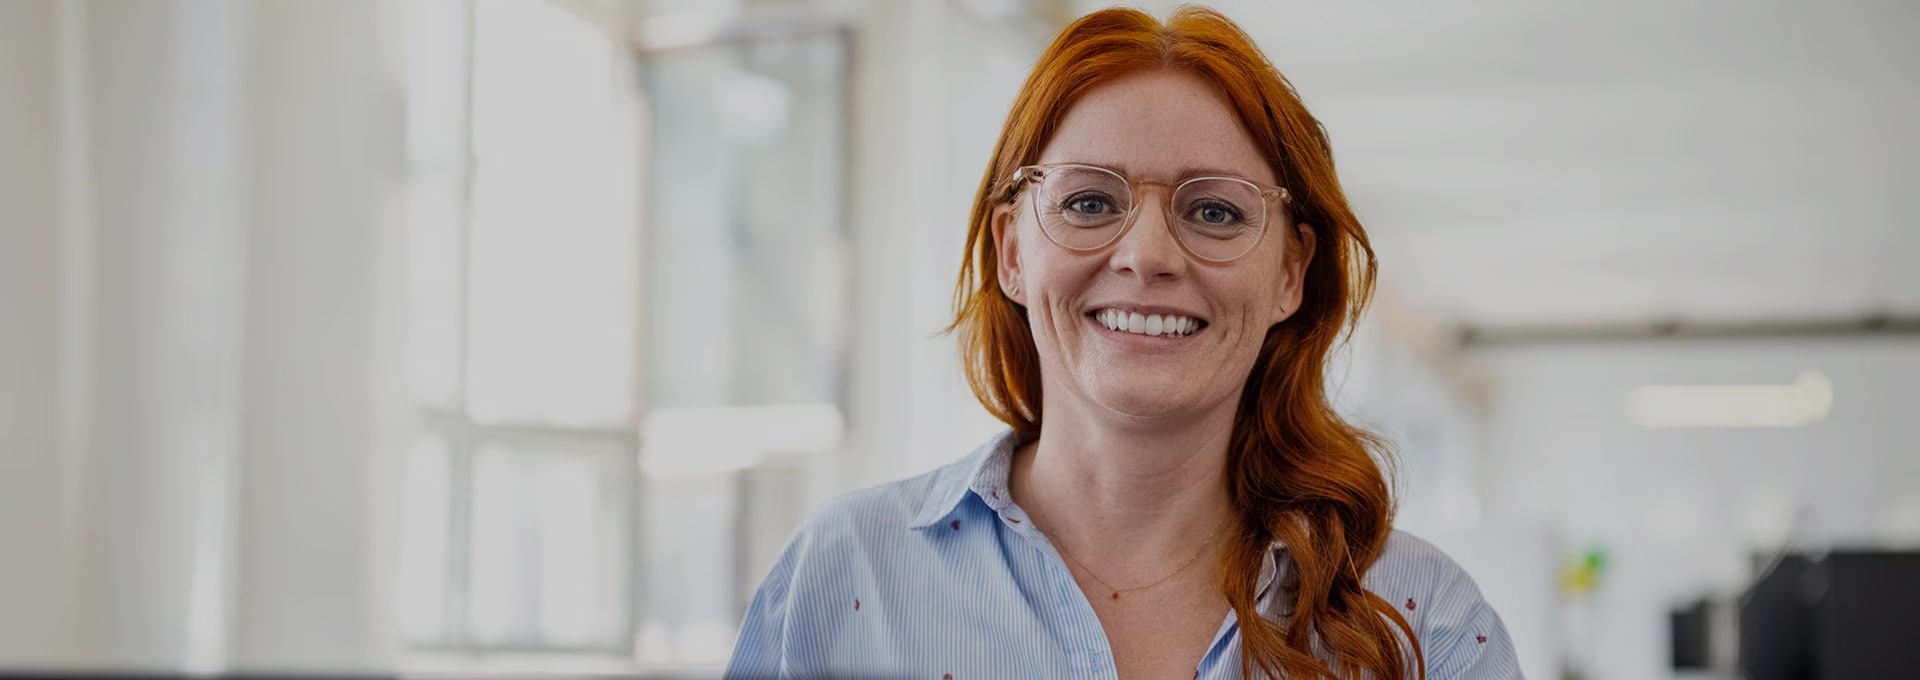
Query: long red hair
x,y
1297,471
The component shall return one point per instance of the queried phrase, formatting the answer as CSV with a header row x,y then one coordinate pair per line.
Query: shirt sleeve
x,y
761,650
1468,641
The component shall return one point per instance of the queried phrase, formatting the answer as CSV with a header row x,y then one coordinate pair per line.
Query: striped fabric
x,y
943,577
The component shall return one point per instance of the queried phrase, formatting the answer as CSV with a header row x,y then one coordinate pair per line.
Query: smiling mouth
x,y
1152,325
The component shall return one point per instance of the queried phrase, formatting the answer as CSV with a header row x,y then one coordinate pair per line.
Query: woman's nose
x,y
1148,249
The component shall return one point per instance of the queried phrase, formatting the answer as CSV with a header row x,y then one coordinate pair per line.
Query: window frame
x,y
454,425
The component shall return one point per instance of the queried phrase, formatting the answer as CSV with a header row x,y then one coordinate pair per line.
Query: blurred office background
x,y
513,336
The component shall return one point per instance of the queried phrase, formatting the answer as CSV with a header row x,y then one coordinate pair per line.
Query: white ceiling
x,y
1621,162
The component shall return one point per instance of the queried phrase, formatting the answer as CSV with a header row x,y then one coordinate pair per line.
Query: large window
x,y
525,260
747,315
548,510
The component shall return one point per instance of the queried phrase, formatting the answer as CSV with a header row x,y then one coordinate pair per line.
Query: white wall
x,y
29,468
192,236
1680,511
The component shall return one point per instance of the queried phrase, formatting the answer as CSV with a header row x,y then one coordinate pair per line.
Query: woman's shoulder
x,y
1406,551
1460,633
1410,569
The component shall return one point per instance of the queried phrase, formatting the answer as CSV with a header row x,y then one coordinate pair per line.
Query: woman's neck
x,y
1119,490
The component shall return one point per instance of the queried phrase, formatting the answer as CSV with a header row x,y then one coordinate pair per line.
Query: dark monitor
x,y
1776,634
1867,623
1848,614
1691,631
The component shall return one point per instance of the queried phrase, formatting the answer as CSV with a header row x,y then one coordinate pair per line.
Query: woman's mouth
x,y
1152,325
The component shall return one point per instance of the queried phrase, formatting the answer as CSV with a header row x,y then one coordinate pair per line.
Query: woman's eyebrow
x,y
1204,171
1185,173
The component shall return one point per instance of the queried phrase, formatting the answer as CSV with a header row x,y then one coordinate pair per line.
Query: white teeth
x,y
1153,325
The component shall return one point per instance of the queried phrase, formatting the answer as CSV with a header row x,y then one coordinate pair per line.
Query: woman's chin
x,y
1148,401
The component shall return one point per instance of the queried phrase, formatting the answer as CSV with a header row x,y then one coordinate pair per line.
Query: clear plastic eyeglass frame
x,y
1035,175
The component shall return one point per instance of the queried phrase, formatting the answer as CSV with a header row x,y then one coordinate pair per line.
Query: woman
x,y
1159,261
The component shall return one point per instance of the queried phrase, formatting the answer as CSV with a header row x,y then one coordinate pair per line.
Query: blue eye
x,y
1216,214
1089,204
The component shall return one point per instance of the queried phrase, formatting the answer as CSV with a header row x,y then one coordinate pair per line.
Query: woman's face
x,y
1162,126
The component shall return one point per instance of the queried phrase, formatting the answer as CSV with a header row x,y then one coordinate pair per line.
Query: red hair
x,y
1297,472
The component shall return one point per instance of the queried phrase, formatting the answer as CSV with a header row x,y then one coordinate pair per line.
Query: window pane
x,y
691,562
435,272
553,252
424,540
747,273
436,84
436,134
550,553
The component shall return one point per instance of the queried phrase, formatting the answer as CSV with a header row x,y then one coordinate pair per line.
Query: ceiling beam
x,y
1872,325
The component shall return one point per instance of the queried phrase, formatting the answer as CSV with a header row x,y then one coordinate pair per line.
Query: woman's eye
x,y
1215,214
1089,205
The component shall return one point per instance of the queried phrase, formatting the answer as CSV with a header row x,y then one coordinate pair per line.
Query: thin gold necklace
x,y
1183,565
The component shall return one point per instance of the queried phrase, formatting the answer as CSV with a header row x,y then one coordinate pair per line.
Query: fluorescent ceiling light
x,y
1805,402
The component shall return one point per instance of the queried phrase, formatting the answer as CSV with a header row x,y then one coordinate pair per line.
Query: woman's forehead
x,y
1159,125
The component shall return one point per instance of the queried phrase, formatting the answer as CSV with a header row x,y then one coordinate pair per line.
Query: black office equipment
x,y
1852,615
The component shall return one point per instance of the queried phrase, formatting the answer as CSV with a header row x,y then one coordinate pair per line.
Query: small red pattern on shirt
x,y
1410,604
856,604
1482,639
956,525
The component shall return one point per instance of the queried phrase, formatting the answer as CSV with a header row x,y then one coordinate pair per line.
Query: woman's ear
x,y
1006,248
1294,265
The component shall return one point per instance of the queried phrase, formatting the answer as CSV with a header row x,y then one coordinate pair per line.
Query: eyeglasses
x,y
1085,208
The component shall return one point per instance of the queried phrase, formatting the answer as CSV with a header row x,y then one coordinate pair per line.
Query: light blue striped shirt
x,y
943,576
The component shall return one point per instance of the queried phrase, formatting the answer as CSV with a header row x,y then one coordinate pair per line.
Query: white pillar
x,y
164,83
199,382
321,377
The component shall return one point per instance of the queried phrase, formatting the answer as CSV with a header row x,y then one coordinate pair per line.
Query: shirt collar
x,y
982,473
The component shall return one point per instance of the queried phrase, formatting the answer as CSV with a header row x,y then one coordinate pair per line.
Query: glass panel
x,y
424,552
434,288
747,308
436,156
550,553
690,570
436,84
747,246
554,258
